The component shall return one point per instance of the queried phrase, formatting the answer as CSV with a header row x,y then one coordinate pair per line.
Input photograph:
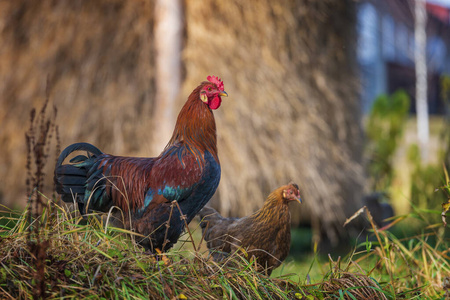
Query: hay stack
x,y
98,58
288,67
292,111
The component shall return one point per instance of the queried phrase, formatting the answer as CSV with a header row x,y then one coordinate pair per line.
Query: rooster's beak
x,y
223,94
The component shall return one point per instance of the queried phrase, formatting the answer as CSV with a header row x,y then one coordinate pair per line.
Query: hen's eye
x,y
209,89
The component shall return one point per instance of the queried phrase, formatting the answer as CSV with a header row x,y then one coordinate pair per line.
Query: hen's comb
x,y
217,81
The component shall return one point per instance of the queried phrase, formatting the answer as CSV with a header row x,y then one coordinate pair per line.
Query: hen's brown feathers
x,y
265,234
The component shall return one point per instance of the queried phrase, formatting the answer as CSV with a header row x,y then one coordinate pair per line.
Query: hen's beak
x,y
223,94
298,199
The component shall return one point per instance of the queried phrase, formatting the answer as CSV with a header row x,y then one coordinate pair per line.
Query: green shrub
x,y
424,180
384,128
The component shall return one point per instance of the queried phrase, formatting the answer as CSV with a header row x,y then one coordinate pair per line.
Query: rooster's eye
x,y
209,89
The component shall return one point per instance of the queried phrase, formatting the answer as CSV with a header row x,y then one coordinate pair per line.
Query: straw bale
x,y
97,56
292,111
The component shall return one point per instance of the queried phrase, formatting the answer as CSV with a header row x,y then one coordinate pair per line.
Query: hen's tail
x,y
70,179
208,217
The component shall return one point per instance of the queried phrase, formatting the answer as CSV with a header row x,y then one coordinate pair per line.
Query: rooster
x,y
145,189
266,234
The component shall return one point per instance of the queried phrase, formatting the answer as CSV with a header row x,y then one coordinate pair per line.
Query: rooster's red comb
x,y
217,81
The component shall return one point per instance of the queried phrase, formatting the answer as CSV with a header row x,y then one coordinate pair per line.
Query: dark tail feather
x,y
70,179
77,147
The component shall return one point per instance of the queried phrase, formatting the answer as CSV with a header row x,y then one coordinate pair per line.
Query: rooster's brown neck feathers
x,y
196,127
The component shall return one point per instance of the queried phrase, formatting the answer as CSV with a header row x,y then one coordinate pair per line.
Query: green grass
x,y
97,262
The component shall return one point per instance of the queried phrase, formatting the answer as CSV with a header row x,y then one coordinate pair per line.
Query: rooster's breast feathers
x,y
177,173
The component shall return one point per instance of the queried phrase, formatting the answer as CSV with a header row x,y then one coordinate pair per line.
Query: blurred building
x,y
386,49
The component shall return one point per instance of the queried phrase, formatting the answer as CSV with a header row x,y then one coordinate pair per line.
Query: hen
x,y
188,171
266,234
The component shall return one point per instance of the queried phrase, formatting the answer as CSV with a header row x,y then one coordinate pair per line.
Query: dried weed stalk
x,y
38,139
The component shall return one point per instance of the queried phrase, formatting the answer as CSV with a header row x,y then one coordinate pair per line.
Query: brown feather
x,y
266,234
195,115
129,181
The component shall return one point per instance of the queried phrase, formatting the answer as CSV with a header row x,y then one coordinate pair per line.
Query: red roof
x,y
440,12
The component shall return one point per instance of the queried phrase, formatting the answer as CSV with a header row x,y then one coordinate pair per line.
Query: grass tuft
x,y
99,261
91,261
